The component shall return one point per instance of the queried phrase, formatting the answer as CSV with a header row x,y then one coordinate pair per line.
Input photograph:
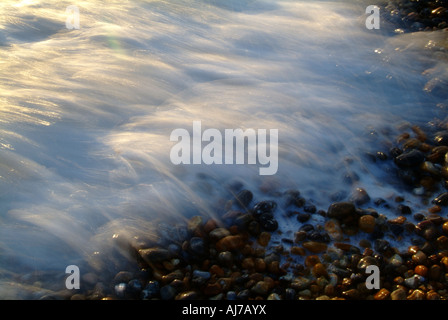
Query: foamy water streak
x,y
86,115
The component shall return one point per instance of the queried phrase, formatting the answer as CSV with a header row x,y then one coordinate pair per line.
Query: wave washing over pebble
x,y
85,171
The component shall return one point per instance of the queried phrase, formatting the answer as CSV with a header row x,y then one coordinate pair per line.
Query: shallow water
x,y
86,114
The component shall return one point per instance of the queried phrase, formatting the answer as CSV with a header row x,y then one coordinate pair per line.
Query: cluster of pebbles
x,y
235,256
415,15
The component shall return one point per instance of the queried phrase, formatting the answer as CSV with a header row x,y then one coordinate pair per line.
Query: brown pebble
x,y
261,288
398,294
210,225
432,295
215,269
329,290
398,220
334,229
212,289
444,263
421,270
319,270
299,236
366,223
364,243
314,246
230,243
445,228
434,272
311,260
298,251
442,242
344,246
435,209
417,294
419,257
260,265
351,293
264,238
383,294
274,267
248,263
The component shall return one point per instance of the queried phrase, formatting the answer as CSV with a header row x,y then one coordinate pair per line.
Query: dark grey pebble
x,y
441,199
198,246
303,217
167,292
341,210
411,158
264,207
151,290
441,138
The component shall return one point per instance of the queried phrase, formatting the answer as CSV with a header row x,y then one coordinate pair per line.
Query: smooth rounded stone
x,y
268,223
231,295
398,294
300,283
319,270
441,199
303,217
360,197
382,294
188,295
421,270
411,158
334,230
364,262
123,277
366,223
264,207
244,198
200,276
414,281
445,228
351,294
168,292
341,210
218,234
381,245
212,289
225,258
230,243
441,138
403,209
416,295
198,246
264,238
442,242
434,272
151,290
314,246
310,208
243,294
274,296
261,288
396,260
152,255
419,257
318,235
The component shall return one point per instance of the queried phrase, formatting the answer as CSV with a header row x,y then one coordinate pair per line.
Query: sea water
x,y
86,113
